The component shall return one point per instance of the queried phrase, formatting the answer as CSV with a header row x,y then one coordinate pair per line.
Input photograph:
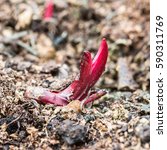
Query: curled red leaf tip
x,y
90,72
49,9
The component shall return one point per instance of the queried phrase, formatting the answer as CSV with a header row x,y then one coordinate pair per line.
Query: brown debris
x,y
125,75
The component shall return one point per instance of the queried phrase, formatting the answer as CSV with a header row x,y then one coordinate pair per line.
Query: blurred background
x,y
73,26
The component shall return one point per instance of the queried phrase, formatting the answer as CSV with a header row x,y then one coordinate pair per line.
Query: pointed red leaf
x,y
99,62
98,65
44,96
95,96
79,87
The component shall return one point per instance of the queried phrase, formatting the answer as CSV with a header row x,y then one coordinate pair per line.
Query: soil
x,y
36,52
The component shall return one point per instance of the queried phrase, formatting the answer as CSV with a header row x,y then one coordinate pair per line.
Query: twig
x,y
15,36
27,47
14,120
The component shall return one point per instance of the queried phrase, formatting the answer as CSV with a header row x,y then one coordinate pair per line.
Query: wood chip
x,y
125,75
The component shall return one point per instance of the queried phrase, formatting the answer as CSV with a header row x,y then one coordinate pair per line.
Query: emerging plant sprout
x,y
49,9
79,89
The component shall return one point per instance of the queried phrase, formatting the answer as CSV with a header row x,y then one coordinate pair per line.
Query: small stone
x,y
25,18
143,133
23,66
72,133
45,48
